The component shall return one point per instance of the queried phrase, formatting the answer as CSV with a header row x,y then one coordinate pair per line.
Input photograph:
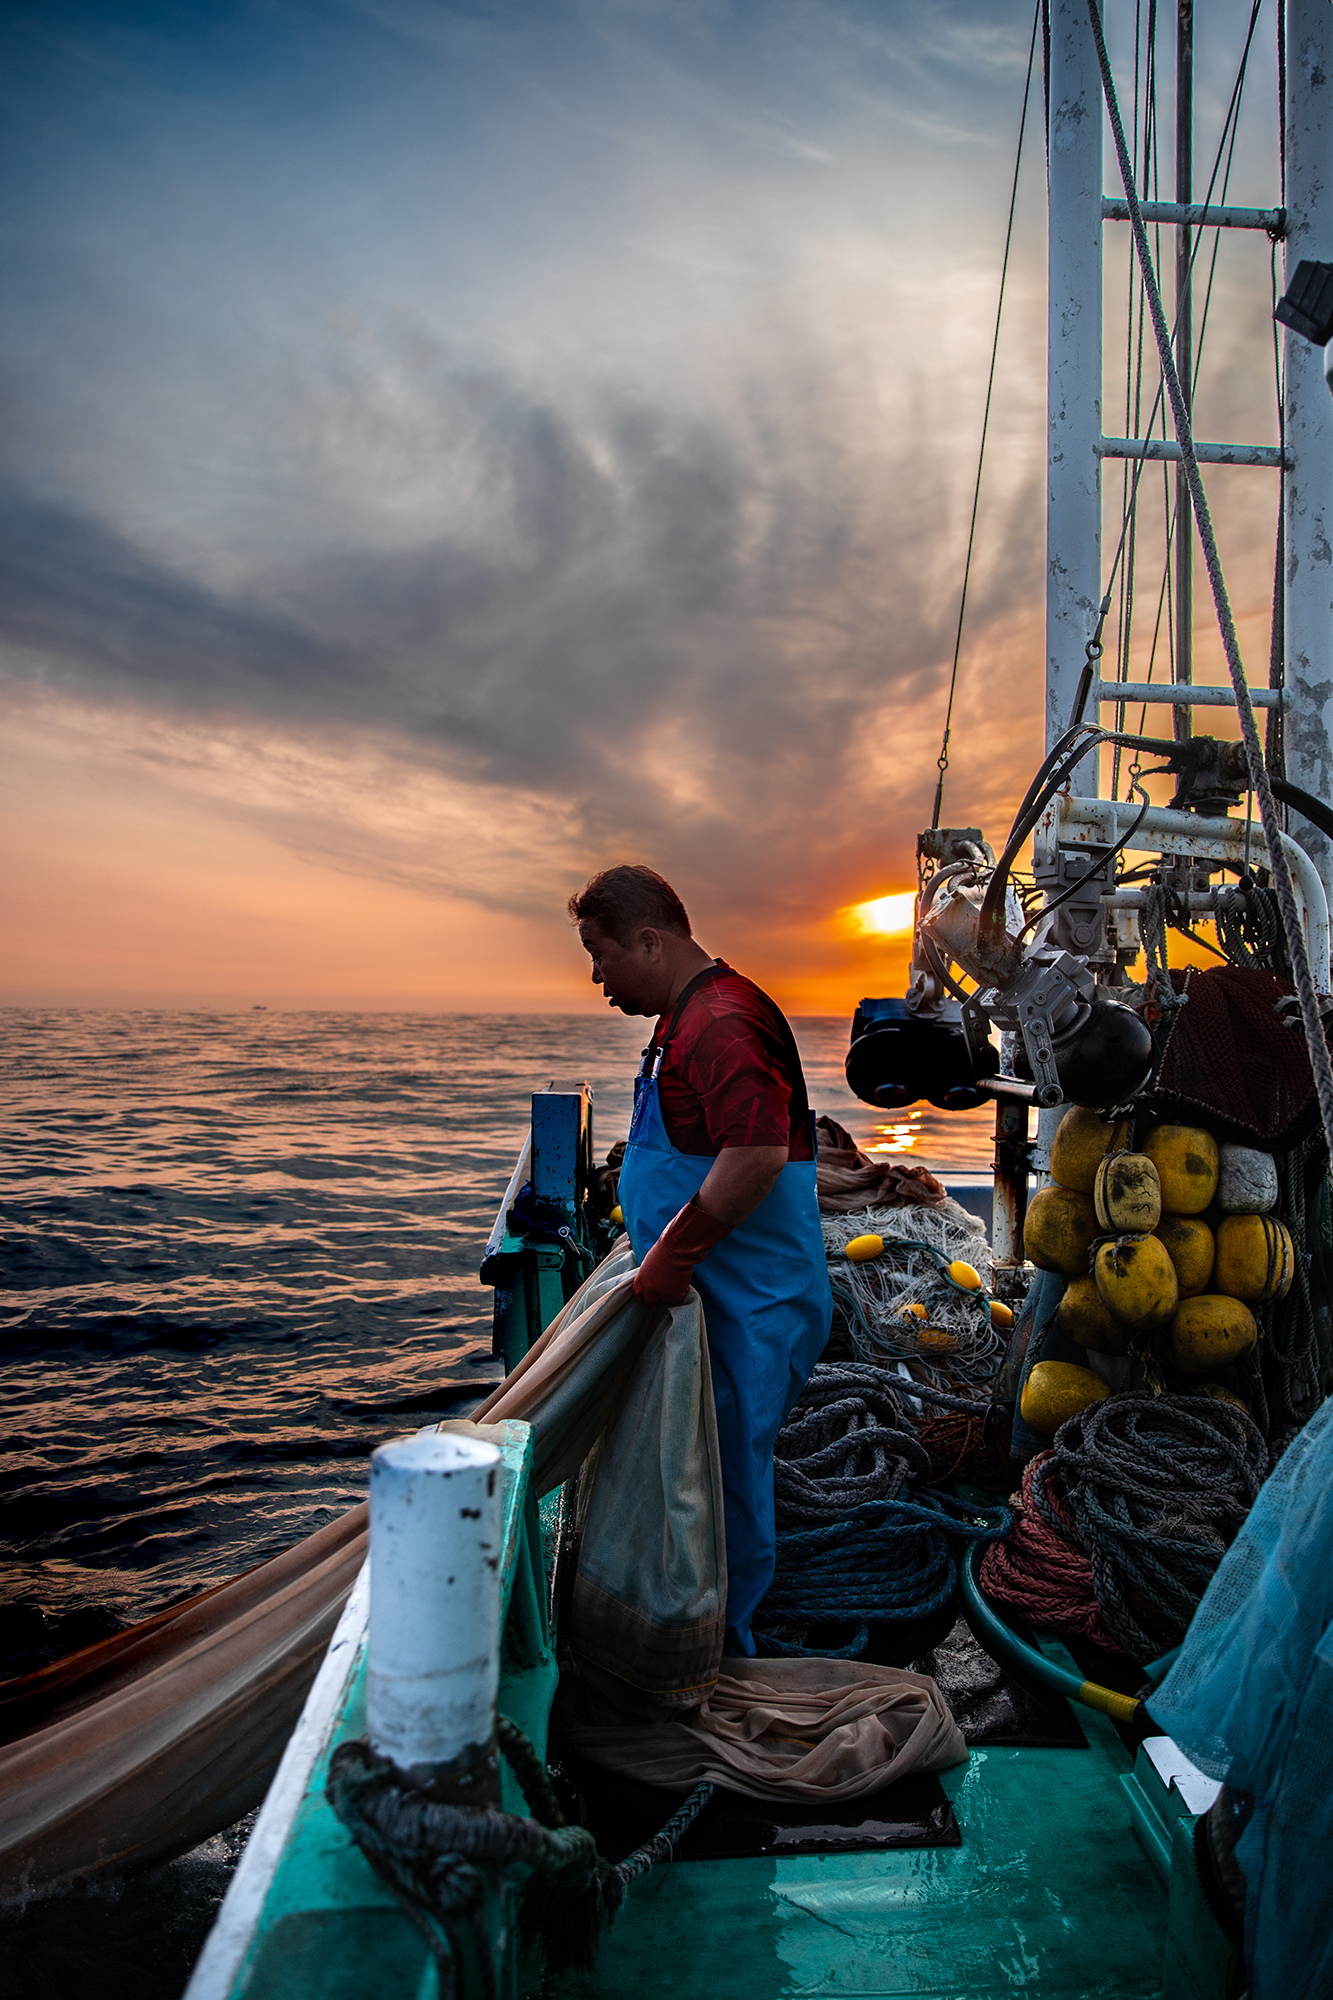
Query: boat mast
x,y
1308,594
1074,381
1184,351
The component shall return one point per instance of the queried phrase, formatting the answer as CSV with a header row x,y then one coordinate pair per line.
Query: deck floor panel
x,y
1050,1895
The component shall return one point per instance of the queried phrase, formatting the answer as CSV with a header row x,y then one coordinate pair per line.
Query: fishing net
x,y
1250,1698
849,1179
953,1340
1235,1060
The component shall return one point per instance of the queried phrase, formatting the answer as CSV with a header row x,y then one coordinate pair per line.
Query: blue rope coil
x,y
883,1563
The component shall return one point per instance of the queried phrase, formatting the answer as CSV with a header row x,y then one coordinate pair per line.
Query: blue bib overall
x,y
768,1310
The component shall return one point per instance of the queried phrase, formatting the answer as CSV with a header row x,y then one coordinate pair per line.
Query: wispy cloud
x,y
529,434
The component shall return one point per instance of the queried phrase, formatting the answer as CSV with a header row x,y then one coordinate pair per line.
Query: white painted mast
x,y
1308,595
1074,383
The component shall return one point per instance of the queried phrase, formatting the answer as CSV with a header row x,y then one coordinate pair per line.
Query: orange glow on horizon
x,y
883,916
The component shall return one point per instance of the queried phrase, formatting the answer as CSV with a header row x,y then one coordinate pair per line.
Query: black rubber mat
x,y
622,1814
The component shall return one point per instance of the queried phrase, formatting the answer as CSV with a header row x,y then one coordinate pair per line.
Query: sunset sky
x,y
449,448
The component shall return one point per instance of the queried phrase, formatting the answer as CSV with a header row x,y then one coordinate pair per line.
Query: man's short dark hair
x,y
628,898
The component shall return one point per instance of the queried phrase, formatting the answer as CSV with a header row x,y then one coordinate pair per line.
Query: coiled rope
x,y
845,1443
1044,1575
883,1563
440,1860
855,1545
1151,1490
860,1433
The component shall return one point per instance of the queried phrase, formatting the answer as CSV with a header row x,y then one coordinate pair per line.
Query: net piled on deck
x,y
955,1340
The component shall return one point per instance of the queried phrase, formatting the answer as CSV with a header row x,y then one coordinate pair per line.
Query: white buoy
x,y
434,1632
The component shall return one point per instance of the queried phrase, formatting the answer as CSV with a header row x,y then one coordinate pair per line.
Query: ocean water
x,y
240,1251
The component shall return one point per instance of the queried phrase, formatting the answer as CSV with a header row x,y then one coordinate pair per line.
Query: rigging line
x,y
1158,402
1233,120
942,762
1275,746
1158,399
1282,103
1231,124
1320,1063
1150,180
1134,360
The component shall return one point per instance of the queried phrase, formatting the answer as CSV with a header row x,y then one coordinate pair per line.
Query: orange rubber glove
x,y
664,1276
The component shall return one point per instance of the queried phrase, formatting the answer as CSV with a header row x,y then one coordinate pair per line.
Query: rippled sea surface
x,y
240,1251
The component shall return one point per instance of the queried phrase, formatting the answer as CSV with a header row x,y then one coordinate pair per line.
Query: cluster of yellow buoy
x,y
1127,1230
931,1339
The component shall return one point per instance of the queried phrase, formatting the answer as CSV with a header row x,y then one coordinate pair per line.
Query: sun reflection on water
x,y
900,1136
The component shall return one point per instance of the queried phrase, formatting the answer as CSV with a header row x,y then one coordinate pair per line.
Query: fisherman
x,y
718,1189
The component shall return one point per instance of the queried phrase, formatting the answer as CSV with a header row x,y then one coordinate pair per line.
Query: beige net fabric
x,y
627,1388
651,1694
778,1729
848,1179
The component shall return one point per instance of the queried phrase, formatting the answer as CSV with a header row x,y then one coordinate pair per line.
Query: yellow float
x,y
1137,1281
1055,1391
864,1249
1189,1245
936,1340
1060,1230
1255,1260
1078,1148
1210,1332
1127,1194
1187,1163
1082,1314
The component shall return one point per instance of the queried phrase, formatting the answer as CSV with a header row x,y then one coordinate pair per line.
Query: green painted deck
x,y
1050,1895
329,1928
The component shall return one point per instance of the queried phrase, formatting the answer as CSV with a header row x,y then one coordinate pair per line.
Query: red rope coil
x,y
1036,1572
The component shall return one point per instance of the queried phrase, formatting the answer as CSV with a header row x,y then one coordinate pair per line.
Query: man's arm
x,y
733,1188
739,1179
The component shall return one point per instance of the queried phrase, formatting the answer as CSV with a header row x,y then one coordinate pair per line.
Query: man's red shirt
x,y
731,1076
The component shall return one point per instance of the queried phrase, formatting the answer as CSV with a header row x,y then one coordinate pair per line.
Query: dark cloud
x,y
641,577
579,399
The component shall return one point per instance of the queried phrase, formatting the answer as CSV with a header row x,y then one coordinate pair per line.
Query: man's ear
x,y
651,942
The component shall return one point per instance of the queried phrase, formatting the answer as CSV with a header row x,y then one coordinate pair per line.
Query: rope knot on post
x,y
442,1859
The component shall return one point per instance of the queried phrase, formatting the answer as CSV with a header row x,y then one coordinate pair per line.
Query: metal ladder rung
x,y
1207,454
1196,216
1180,695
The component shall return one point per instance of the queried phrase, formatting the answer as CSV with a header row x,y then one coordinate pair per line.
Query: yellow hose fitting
x,y
1120,1707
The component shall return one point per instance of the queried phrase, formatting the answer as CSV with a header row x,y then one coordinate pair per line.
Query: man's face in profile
x,y
629,974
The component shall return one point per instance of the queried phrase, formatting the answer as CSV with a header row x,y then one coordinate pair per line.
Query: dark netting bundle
x,y
1234,1059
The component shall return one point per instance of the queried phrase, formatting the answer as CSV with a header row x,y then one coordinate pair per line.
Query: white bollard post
x,y
434,1634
